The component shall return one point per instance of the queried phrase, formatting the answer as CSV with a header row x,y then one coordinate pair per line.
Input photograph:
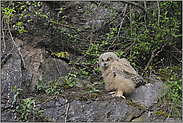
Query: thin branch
x,y
16,46
137,5
119,27
7,55
3,37
130,19
66,112
145,16
158,13
152,56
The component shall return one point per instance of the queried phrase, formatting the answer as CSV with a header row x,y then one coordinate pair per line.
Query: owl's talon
x,y
114,95
112,92
123,97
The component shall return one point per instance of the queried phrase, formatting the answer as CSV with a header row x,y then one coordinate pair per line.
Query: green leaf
x,y
24,30
88,91
133,15
64,16
96,90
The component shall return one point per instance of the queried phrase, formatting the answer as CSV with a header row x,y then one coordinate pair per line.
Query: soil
x,y
74,93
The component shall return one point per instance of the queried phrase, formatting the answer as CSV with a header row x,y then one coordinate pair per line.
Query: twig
x,y
3,36
131,19
57,67
119,27
136,4
169,113
66,112
7,55
152,56
158,13
145,16
16,46
129,47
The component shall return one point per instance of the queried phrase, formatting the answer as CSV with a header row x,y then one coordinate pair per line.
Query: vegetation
x,y
48,87
171,103
26,107
92,89
147,33
69,80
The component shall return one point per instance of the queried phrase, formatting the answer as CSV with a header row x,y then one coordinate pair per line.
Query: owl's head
x,y
106,59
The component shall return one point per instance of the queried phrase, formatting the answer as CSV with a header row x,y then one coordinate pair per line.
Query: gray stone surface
x,y
149,94
52,69
109,111
11,75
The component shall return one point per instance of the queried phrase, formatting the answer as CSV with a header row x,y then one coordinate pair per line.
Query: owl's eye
x,y
102,60
108,59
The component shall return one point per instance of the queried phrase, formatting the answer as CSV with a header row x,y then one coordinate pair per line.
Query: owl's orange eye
x,y
102,60
108,60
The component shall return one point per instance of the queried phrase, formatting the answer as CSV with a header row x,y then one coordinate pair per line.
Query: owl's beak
x,y
105,64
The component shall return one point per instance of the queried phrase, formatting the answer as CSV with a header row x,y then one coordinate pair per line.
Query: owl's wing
x,y
127,67
123,68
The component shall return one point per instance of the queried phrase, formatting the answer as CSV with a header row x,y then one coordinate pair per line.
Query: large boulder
x,y
140,106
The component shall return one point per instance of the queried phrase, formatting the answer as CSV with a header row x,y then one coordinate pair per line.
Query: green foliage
x,y
8,12
48,87
135,37
173,98
174,94
25,107
175,88
17,92
92,89
61,54
11,10
70,80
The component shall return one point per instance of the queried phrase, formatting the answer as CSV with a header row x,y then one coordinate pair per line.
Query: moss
x,y
94,95
139,119
134,104
160,112
147,80
63,96
66,86
83,99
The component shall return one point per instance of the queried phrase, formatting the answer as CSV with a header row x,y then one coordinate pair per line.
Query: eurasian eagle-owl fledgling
x,y
118,74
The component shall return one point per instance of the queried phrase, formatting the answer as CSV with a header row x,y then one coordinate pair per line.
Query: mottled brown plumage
x,y
118,74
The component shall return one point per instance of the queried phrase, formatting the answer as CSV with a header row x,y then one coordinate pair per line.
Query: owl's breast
x,y
109,79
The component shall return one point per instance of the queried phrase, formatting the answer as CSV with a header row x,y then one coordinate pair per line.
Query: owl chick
x,y
118,74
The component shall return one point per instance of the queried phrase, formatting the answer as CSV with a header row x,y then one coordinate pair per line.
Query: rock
x,y
111,111
11,75
48,113
8,117
149,94
59,113
149,117
52,69
114,110
51,104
